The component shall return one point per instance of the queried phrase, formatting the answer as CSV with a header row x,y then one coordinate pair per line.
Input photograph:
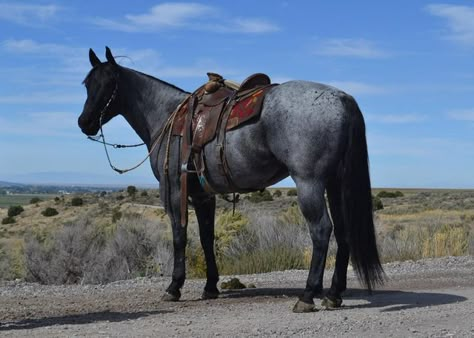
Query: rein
x,y
101,138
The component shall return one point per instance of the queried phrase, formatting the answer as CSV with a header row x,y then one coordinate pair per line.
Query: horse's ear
x,y
109,56
93,58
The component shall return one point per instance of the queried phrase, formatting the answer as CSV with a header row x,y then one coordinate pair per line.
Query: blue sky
x,y
409,64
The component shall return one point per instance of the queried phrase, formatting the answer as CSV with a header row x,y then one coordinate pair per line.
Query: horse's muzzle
x,y
88,127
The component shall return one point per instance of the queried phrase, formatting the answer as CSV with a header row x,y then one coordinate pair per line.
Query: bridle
x,y
101,138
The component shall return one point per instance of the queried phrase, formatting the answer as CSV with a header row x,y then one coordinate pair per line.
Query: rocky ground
x,y
432,297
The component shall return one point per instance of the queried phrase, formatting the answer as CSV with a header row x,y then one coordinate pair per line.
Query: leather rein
x,y
101,138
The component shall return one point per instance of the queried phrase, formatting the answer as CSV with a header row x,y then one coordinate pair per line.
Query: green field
x,y
21,199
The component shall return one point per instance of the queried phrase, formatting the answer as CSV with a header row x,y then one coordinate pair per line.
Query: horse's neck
x,y
147,103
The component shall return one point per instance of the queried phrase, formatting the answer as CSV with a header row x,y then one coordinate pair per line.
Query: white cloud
x,y
462,115
349,47
186,15
358,88
29,15
460,21
253,25
171,15
396,118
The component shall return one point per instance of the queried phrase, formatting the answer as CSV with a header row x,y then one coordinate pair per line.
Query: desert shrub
x,y
267,244
87,253
35,200
116,214
131,190
376,203
228,226
12,261
48,212
417,242
120,197
57,199
389,194
260,196
144,193
8,220
15,210
292,192
292,215
77,202
277,193
65,256
448,240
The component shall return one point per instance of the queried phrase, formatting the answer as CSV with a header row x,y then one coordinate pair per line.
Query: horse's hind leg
x,y
313,206
333,298
205,207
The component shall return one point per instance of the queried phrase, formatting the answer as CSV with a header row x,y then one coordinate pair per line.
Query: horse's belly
x,y
242,168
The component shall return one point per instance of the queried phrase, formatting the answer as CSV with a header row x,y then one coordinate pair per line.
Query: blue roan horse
x,y
309,131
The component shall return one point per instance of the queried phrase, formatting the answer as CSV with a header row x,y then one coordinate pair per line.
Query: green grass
x,y
21,199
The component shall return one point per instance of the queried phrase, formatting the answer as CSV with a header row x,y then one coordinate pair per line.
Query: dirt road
x,y
433,297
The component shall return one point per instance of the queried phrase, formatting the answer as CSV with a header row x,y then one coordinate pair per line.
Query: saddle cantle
x,y
214,108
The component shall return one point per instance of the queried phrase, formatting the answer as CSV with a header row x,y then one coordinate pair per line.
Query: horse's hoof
x,y
302,307
168,297
331,303
209,295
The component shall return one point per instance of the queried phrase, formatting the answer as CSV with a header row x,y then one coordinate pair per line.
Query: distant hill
x,y
4,184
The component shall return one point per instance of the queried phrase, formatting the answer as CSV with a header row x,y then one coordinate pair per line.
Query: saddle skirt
x,y
219,100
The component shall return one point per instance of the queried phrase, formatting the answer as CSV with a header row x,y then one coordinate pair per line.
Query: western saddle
x,y
214,108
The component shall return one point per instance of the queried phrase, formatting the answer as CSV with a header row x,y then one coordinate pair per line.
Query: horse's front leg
x,y
205,207
173,210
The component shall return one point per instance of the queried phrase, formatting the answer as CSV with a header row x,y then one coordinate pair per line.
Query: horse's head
x,y
102,86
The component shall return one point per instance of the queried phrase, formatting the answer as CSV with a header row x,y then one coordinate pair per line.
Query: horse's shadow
x,y
386,300
85,318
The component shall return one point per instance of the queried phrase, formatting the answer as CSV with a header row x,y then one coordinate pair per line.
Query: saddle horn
x,y
109,56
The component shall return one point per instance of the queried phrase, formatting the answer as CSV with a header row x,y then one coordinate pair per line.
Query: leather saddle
x,y
214,108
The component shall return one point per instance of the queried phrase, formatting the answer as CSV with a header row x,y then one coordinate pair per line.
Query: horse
x,y
312,132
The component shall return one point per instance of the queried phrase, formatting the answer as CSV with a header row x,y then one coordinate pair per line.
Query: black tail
x,y
357,202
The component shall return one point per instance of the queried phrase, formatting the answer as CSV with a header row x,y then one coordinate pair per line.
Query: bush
x,y
144,193
77,202
131,191
376,203
8,220
85,253
266,244
260,196
292,192
389,194
15,210
48,212
116,214
277,193
35,200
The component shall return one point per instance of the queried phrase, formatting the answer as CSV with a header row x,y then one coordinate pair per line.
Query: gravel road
x,y
432,297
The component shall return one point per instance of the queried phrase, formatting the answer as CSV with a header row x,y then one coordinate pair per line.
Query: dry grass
x,y
95,247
